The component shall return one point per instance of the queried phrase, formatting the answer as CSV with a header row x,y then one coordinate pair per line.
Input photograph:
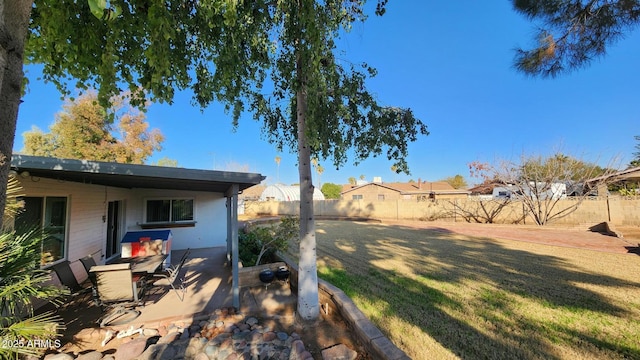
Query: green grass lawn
x,y
439,295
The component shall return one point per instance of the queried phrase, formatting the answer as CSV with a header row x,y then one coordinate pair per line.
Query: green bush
x,y
258,245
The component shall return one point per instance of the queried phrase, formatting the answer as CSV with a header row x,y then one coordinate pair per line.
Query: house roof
x,y
437,187
628,174
132,175
484,189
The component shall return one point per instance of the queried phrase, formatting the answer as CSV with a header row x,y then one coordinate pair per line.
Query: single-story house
x,y
89,206
420,191
631,174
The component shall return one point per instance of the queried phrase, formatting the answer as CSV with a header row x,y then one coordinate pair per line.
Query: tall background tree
x,y
572,33
456,181
331,190
275,60
278,159
540,183
84,130
636,155
166,162
319,170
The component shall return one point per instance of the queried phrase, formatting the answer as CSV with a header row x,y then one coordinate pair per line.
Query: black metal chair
x,y
170,276
88,262
68,279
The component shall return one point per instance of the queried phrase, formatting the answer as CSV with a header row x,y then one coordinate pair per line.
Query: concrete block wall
x,y
616,210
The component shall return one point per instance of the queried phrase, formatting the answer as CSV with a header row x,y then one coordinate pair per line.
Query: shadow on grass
x,y
408,273
633,249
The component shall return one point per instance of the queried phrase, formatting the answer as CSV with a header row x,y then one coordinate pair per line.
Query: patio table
x,y
142,265
143,268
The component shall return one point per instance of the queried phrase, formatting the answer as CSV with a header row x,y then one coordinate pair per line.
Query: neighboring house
x,y
631,175
420,191
484,189
490,191
89,206
280,192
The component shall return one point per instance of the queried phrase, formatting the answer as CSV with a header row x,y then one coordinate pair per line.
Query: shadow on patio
x,y
207,280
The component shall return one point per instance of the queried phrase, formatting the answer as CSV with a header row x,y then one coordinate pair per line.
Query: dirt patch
x,y
547,235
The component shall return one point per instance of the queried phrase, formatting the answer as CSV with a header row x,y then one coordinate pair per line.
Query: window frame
x,y
146,224
44,210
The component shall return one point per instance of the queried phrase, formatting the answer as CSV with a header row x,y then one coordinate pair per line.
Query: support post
x,y
232,240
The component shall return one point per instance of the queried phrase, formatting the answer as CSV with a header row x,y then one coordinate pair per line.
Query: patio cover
x,y
133,176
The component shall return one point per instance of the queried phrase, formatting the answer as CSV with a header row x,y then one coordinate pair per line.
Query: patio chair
x,y
170,276
68,279
118,293
88,262
183,258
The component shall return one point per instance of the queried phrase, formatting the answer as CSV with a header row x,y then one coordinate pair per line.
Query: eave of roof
x,y
132,175
628,174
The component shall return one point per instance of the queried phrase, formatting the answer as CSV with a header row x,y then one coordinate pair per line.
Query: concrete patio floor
x,y
207,278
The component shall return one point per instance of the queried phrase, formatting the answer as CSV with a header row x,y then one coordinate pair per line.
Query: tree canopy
x,y
635,162
331,190
559,167
242,54
540,182
83,130
573,32
275,60
457,181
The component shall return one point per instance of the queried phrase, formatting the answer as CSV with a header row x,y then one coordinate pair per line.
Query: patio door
x,y
114,216
49,214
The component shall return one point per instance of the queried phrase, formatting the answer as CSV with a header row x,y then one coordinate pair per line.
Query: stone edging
x,y
370,337
366,332
333,299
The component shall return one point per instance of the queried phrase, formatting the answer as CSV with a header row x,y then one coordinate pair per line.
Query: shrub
x,y
260,243
22,280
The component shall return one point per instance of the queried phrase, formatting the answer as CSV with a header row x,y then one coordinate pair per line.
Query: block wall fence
x,y
615,210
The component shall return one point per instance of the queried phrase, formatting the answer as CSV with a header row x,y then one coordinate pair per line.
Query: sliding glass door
x,y
48,214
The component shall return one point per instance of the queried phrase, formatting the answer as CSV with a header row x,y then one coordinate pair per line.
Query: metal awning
x,y
132,176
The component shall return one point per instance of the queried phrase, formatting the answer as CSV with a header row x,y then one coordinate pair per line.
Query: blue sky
x,y
451,63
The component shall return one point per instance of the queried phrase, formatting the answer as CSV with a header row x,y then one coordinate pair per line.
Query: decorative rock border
x,y
223,336
332,299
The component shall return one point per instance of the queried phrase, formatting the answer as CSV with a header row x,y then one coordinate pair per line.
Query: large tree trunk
x,y
308,301
14,25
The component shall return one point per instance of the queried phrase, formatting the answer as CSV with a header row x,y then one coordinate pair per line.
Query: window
x,y
356,197
169,210
49,214
380,197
